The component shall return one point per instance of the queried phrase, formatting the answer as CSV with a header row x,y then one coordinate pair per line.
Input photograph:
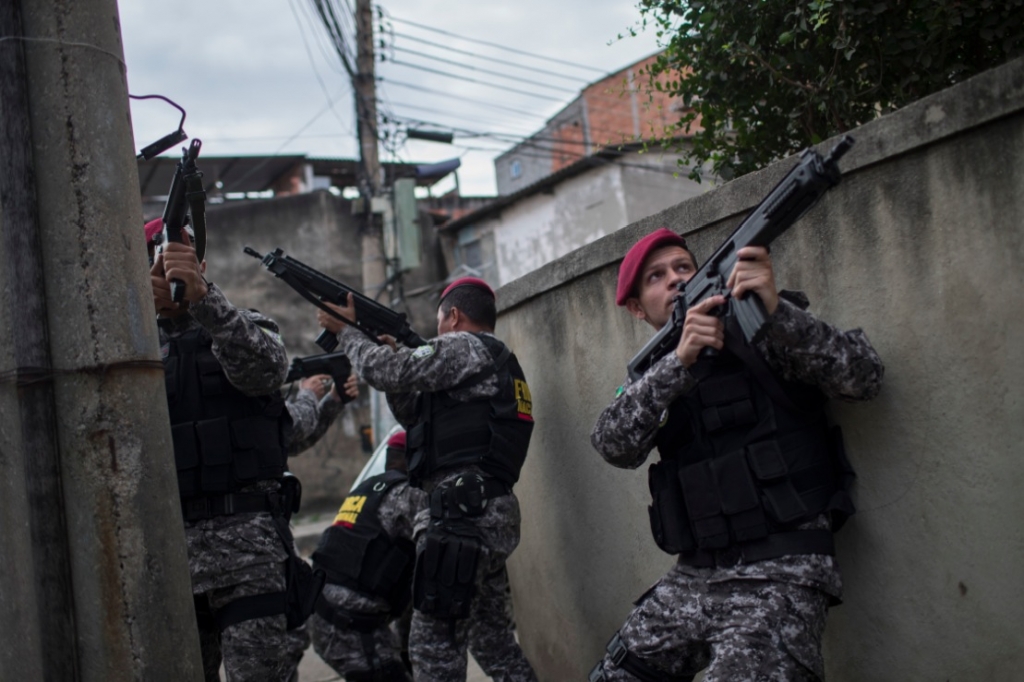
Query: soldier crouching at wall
x,y
751,482
368,555
231,434
467,410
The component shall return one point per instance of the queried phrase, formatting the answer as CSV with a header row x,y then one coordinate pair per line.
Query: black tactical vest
x,y
740,461
492,433
224,440
356,552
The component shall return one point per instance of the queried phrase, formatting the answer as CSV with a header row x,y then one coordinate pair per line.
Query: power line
x,y
466,79
494,45
474,119
503,62
312,63
487,71
420,88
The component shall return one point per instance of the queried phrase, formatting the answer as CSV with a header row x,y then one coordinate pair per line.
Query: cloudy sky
x,y
261,77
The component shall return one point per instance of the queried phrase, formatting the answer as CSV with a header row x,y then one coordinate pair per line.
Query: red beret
x,y
633,263
467,282
152,227
397,440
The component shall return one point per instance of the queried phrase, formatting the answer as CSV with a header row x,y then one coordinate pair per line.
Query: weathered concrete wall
x,y
921,245
581,209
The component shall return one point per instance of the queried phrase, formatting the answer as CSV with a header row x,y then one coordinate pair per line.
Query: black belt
x,y
771,547
350,620
210,506
466,496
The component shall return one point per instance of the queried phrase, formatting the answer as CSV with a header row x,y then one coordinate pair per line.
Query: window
x,y
516,169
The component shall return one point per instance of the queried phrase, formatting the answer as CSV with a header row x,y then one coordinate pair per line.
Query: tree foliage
x,y
761,79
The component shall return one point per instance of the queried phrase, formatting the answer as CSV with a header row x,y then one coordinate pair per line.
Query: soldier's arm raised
x,y
246,343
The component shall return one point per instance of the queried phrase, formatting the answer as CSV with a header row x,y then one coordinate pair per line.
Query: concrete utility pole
x,y
374,272
95,576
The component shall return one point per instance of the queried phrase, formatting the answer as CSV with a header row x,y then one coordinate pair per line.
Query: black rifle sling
x,y
195,195
763,374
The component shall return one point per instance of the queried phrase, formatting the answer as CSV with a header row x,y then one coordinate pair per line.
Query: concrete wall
x,y
921,245
538,229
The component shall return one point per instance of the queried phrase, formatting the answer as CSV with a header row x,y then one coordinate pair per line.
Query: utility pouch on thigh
x,y
304,587
670,524
445,580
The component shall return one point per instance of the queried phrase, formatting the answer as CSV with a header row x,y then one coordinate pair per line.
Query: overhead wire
x,y
503,62
506,48
497,86
480,70
420,88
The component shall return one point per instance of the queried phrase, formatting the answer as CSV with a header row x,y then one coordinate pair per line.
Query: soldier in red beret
x,y
750,482
466,407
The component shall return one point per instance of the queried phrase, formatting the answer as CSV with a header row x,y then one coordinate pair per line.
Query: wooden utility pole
x,y
374,272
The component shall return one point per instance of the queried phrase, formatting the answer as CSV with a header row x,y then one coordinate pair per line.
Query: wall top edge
x,y
976,102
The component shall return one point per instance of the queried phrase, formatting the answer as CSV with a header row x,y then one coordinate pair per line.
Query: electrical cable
x,y
413,86
487,71
504,62
466,79
495,45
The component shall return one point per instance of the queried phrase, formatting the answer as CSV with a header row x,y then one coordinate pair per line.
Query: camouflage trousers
x,y
345,650
438,646
739,630
256,650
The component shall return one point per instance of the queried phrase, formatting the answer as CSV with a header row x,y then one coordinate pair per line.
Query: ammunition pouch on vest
x,y
744,461
361,555
445,581
224,440
492,433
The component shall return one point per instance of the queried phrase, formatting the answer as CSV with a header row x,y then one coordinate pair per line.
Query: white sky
x,y
241,70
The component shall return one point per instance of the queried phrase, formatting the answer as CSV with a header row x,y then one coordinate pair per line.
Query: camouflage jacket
x,y
397,513
227,550
797,346
310,419
441,363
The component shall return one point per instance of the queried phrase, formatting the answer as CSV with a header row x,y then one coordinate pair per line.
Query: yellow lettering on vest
x,y
523,398
348,518
351,507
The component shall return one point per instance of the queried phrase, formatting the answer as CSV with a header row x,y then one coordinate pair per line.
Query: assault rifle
x,y
335,364
186,197
372,318
784,205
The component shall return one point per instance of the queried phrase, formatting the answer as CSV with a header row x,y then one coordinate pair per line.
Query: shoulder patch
x,y
423,352
272,334
620,390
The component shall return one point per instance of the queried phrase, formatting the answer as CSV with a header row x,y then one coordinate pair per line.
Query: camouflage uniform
x,y
343,649
438,647
242,554
761,620
310,419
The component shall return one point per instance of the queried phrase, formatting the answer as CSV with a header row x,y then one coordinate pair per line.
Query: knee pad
x,y
445,578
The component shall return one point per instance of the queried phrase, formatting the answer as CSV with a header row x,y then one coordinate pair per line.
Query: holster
x,y
304,587
446,565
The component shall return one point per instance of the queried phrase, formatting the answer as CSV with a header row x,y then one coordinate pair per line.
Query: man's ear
x,y
202,267
635,309
456,315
